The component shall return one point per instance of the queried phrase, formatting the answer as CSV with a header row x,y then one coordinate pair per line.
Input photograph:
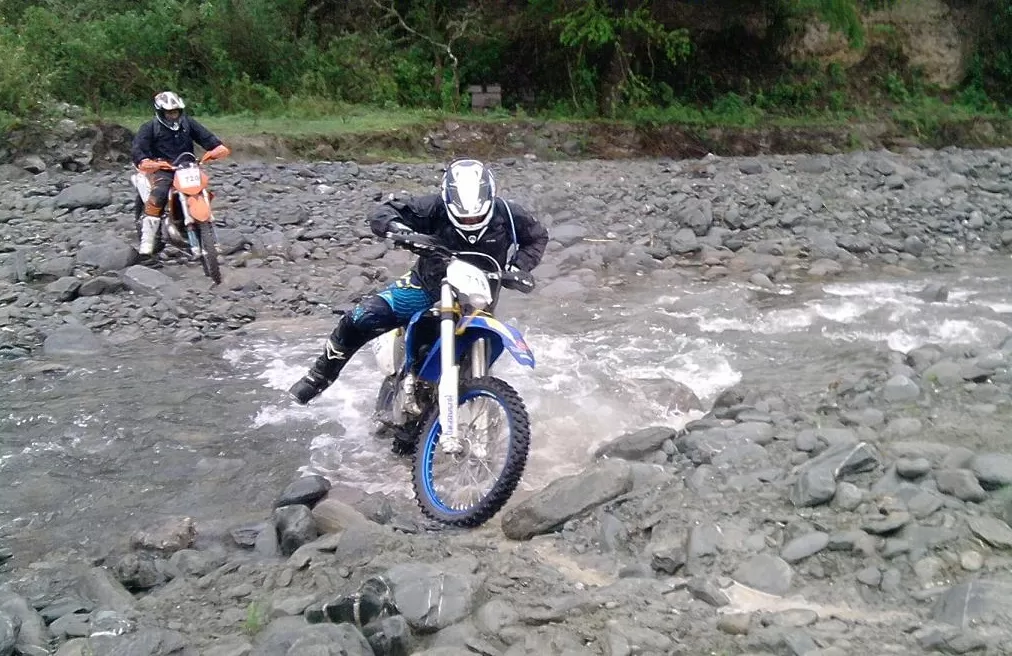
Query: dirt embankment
x,y
607,140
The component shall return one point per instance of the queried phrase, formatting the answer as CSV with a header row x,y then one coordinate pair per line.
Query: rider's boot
x,y
322,374
150,223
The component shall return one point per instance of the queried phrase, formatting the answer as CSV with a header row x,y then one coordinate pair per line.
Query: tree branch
x,y
392,12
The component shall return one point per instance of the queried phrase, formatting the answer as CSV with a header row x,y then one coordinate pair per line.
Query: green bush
x,y
23,87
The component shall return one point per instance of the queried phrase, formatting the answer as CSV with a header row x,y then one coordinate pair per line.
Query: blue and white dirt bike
x,y
469,431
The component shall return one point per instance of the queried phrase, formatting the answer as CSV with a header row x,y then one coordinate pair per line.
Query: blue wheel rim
x,y
432,442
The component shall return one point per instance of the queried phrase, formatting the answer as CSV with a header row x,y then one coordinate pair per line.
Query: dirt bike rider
x,y
162,139
465,215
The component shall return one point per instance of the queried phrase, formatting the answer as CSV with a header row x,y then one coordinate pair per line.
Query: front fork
x,y
449,373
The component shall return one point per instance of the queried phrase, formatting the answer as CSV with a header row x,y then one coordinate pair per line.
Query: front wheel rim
x,y
486,436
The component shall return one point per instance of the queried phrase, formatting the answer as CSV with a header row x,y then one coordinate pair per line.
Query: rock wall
x,y
933,35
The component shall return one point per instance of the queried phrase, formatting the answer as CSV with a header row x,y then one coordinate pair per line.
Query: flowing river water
x,y
94,447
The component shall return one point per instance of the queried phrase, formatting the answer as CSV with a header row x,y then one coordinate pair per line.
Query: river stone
x,y
993,470
976,602
991,530
167,536
766,573
84,195
101,587
32,635
10,629
111,255
295,527
292,636
816,482
73,339
143,280
804,546
637,445
566,498
304,491
430,598
900,388
65,288
960,483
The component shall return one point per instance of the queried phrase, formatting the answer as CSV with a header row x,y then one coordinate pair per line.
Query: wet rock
x,y
84,195
73,339
305,491
899,389
975,603
229,647
333,516
390,636
816,481
971,561
111,255
960,483
913,468
708,592
10,629
886,523
139,571
735,623
804,546
566,498
847,496
191,562
569,234
431,598
99,285
993,470
637,445
143,280
31,637
167,536
290,636
246,535
65,289
766,573
671,395
101,587
295,527
991,530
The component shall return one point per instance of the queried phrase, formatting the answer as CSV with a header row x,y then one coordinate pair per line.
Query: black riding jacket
x,y
427,215
155,141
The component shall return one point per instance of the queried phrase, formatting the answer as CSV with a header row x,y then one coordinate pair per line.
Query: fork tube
x,y
449,374
479,358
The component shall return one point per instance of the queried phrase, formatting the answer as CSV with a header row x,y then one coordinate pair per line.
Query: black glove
x,y
521,281
398,228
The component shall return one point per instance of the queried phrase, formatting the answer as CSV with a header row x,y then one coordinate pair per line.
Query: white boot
x,y
149,230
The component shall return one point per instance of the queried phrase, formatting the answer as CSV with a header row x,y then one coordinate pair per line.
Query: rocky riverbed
x,y
856,506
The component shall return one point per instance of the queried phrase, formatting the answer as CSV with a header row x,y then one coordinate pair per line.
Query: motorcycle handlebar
x,y
521,281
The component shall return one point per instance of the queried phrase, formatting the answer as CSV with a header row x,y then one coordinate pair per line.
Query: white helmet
x,y
168,101
468,191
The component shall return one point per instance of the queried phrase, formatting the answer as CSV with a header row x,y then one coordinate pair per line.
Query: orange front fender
x,y
199,208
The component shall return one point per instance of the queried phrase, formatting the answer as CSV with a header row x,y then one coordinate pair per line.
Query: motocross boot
x,y
150,222
321,375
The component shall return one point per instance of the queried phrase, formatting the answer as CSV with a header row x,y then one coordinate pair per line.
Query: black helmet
x,y
168,101
468,191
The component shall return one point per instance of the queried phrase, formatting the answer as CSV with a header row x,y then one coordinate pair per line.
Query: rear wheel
x,y
468,487
209,251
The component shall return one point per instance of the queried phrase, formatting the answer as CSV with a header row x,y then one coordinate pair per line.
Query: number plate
x,y
188,177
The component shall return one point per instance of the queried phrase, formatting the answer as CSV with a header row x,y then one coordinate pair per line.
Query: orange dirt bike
x,y
188,219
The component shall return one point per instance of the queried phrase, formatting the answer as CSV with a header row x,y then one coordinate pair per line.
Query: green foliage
x,y
308,59
23,87
841,15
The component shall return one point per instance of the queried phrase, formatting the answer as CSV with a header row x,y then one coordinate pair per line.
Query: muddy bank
x,y
552,140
